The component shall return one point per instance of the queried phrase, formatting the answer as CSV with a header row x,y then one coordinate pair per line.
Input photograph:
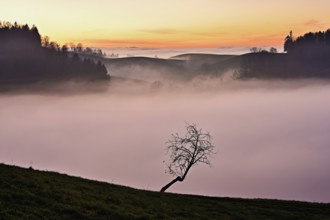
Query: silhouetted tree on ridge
x,y
193,148
288,42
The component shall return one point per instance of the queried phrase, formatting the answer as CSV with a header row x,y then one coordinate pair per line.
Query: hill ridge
x,y
33,194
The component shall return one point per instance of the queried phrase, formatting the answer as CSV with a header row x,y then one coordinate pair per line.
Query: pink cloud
x,y
314,23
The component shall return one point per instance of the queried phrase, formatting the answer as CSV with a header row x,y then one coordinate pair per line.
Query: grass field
x,y
32,194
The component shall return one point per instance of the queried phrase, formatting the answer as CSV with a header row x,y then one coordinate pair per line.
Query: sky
x,y
171,23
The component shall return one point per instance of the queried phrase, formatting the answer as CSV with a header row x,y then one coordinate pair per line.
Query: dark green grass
x,y
31,194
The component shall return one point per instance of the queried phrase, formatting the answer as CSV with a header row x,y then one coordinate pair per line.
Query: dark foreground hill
x,y
31,194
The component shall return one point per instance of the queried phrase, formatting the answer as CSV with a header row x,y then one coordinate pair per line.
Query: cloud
x,y
262,40
314,23
170,31
132,43
121,41
162,31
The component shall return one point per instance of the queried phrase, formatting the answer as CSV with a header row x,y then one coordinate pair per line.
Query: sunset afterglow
x,y
169,24
177,109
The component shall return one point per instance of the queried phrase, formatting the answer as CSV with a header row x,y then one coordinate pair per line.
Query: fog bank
x,y
170,52
271,137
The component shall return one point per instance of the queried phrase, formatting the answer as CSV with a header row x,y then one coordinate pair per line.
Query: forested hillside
x,y
25,59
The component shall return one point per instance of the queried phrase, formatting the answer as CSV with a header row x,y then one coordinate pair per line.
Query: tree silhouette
x,y
65,48
288,42
186,151
79,48
45,41
306,56
273,50
25,57
255,50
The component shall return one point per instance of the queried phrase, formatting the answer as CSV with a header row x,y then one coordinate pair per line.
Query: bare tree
x,y
273,50
254,50
257,50
186,151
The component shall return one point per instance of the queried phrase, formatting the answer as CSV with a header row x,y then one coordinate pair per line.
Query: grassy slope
x,y
31,194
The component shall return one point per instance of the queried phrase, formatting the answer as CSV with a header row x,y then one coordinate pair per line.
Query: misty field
x,y
271,138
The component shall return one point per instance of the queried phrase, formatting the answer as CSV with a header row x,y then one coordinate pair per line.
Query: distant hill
x,y
26,58
148,69
31,194
306,56
206,58
179,68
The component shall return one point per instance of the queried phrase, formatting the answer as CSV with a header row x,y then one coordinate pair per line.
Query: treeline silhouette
x,y
71,47
24,58
306,56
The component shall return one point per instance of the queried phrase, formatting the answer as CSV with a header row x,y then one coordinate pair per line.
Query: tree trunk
x,y
171,183
179,178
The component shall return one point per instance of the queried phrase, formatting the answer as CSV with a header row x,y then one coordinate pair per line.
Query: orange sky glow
x,y
169,24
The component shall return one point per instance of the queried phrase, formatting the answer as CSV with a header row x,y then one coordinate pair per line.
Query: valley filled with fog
x,y
271,137
170,52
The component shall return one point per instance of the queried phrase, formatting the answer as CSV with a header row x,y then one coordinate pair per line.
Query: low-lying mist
x,y
272,138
